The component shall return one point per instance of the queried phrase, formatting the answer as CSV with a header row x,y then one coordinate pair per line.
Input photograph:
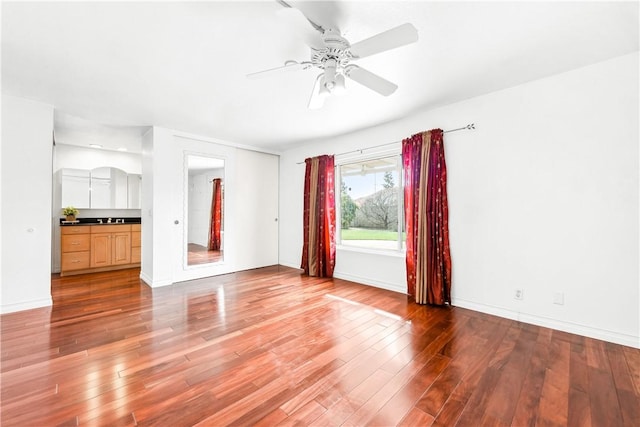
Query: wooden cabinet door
x,y
135,239
136,254
101,250
121,246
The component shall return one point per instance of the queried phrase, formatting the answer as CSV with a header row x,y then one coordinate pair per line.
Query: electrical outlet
x,y
519,294
558,298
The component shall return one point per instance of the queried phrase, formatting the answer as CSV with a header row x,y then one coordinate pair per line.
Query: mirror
x,y
134,195
100,188
75,188
108,188
205,210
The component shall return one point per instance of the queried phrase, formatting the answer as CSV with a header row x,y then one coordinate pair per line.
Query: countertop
x,y
96,221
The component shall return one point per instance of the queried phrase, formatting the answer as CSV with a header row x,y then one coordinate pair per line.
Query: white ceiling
x,y
182,65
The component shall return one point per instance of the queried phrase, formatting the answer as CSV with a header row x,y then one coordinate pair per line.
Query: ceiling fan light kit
x,y
334,58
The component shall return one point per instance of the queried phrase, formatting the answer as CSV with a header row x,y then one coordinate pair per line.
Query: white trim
x,y
354,156
396,154
574,328
289,264
357,279
369,282
27,305
154,284
398,253
187,135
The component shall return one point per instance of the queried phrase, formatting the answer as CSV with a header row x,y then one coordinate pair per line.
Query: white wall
x,y
27,145
159,205
146,204
543,197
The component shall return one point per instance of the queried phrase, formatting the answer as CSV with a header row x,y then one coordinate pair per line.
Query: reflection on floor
x,y
200,255
271,346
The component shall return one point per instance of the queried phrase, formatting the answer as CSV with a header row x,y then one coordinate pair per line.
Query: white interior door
x,y
257,213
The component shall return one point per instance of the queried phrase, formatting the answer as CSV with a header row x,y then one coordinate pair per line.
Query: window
x,y
370,205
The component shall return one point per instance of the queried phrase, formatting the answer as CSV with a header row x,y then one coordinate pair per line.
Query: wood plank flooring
x,y
270,347
198,254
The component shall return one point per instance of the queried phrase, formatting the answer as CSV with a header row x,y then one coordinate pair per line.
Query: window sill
x,y
373,251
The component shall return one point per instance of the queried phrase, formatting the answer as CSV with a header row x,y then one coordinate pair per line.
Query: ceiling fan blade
x,y
289,66
313,24
317,99
399,36
298,24
370,80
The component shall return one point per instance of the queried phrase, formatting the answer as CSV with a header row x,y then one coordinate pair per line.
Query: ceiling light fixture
x,y
325,87
339,88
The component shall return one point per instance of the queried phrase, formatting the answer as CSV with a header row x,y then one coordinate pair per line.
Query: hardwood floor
x,y
198,254
271,347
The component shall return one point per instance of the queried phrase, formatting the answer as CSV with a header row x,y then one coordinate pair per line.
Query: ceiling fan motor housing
x,y
336,48
333,58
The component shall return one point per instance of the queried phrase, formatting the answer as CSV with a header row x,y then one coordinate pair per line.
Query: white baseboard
x,y
357,279
154,284
573,328
26,305
290,264
370,282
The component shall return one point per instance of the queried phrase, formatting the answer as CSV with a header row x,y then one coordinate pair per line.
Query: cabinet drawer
x,y
110,228
135,239
75,261
76,243
74,229
136,255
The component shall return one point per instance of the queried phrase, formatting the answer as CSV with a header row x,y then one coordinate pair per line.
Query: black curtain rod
x,y
470,126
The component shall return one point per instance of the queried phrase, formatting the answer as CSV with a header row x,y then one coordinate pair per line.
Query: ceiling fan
x,y
333,54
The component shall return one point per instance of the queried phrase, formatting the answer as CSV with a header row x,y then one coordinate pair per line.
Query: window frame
x,y
400,242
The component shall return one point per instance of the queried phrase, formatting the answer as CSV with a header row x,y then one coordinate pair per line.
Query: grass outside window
x,y
369,234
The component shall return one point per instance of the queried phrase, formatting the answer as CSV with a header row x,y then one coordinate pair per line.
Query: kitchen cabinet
x,y
136,244
91,248
76,247
110,245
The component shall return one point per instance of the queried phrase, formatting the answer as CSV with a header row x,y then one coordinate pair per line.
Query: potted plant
x,y
70,212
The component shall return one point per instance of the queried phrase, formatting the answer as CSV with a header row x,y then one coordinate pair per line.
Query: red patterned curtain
x,y
216,216
426,218
319,249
